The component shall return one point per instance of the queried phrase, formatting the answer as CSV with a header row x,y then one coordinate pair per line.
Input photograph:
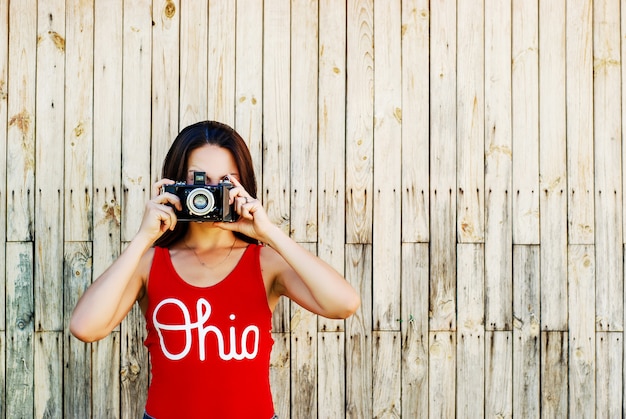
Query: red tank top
x,y
209,347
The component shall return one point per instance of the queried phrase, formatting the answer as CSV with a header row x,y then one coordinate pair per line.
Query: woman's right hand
x,y
159,215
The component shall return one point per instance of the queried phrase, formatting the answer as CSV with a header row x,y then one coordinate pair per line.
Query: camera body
x,y
202,202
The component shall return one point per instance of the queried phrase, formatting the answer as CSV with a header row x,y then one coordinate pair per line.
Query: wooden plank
x,y
279,374
134,364
136,98
359,334
303,348
77,400
331,111
414,326
359,120
608,167
498,175
276,126
386,388
499,374
193,100
553,165
48,377
470,352
443,165
4,53
554,375
49,152
165,81
580,121
3,368
609,395
221,62
78,163
105,377
249,79
442,375
108,30
387,165
526,339
582,337
470,128
525,121
303,148
20,134
19,368
415,115
331,366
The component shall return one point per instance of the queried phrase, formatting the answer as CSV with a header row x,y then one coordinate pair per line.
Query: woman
x,y
208,289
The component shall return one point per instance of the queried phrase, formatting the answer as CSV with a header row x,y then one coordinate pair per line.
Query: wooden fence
x,y
460,161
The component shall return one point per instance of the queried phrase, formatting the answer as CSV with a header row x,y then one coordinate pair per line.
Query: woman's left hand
x,y
253,220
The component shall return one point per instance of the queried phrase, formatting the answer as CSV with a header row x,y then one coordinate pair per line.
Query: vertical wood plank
x,y
526,339
105,376
443,165
77,274
499,374
580,122
303,113
20,133
49,143
136,98
276,126
387,165
280,374
414,326
608,166
359,334
415,116
249,80
134,367
221,61
194,35
442,375
48,380
359,120
3,368
525,120
4,53
470,129
609,395
331,142
470,350
386,355
332,375
554,374
78,165
498,224
581,277
552,165
165,80
107,218
19,372
304,359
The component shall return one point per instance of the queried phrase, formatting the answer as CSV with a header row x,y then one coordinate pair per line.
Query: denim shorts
x,y
147,416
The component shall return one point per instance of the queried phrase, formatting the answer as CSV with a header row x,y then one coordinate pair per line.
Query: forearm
x,y
334,296
104,304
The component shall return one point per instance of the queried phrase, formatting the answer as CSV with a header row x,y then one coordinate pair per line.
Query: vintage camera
x,y
202,202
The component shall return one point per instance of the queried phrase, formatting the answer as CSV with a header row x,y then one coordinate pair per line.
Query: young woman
x,y
208,289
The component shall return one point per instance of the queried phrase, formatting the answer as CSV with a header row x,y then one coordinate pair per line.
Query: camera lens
x,y
200,202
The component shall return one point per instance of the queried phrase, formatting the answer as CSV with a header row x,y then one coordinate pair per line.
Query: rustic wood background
x,y
460,161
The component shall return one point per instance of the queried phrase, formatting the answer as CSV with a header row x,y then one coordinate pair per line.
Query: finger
x,y
157,186
167,198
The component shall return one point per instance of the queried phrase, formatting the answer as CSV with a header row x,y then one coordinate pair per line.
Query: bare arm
x,y
109,299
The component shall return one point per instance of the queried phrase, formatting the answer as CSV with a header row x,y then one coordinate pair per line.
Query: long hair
x,y
175,165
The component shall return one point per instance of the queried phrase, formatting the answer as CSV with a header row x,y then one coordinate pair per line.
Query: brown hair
x,y
175,165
